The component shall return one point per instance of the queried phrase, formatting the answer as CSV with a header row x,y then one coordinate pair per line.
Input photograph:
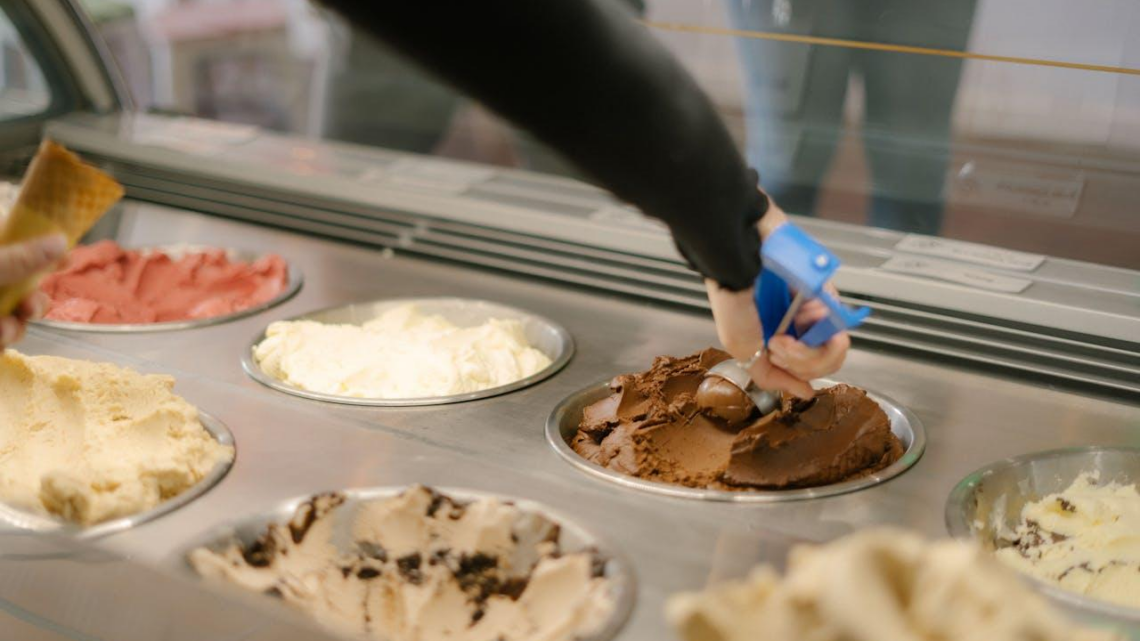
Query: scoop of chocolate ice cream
x,y
723,399
670,424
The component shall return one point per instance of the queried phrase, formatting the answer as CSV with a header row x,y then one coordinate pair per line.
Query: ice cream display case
x,y
503,493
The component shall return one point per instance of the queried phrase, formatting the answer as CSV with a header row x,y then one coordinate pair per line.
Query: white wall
x,y
1050,104
996,99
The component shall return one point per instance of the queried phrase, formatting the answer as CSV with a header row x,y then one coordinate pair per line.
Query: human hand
x,y
19,261
787,364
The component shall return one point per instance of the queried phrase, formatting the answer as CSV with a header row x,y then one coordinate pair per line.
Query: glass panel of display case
x,y
23,89
1010,122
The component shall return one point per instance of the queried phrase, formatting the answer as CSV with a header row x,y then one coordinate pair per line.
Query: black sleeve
x,y
585,77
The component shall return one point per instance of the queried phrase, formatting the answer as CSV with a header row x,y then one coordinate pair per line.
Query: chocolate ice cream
x,y
723,399
654,427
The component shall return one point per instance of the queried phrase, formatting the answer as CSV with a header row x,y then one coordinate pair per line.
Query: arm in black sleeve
x,y
584,77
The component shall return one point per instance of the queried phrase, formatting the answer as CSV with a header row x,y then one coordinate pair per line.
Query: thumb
x,y
24,259
768,376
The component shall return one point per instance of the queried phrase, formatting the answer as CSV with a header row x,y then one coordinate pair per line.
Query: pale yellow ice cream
x,y
402,353
876,585
425,568
93,441
1085,539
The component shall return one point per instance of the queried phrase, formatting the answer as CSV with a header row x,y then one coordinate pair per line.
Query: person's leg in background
x,y
909,106
794,95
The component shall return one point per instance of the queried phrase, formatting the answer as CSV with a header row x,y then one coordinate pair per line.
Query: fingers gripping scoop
x,y
793,262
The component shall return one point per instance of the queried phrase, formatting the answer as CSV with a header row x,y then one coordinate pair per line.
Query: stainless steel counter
x,y
289,446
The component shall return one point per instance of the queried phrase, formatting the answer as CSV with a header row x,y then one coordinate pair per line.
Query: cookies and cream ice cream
x,y
1085,539
105,283
424,567
881,585
655,427
402,353
94,441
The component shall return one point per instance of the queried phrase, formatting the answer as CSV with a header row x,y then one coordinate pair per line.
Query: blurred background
x,y
1007,122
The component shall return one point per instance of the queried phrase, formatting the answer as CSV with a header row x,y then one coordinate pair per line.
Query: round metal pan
x,y
15,518
292,286
986,505
572,538
563,425
543,334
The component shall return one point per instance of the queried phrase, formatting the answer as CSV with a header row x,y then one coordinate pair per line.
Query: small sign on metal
x,y
954,273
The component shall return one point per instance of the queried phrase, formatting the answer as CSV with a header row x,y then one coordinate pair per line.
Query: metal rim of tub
x,y
542,333
18,519
574,537
563,423
961,507
292,287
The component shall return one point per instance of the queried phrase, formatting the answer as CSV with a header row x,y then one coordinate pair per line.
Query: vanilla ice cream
x,y
1085,539
425,567
876,585
402,353
94,441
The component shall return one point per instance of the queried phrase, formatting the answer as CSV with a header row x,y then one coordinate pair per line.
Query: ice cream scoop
x,y
728,393
793,261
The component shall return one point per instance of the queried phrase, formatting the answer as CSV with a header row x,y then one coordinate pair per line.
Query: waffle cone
x,y
59,194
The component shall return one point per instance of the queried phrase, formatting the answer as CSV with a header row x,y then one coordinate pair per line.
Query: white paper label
x,y
970,252
627,217
428,176
184,145
942,270
190,135
227,133
1055,194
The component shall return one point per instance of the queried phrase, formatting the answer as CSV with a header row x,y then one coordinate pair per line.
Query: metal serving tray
x,y
986,506
573,538
291,446
543,334
292,286
563,425
15,518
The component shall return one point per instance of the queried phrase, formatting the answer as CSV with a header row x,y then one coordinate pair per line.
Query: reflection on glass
x,y
797,94
1019,154
23,90
376,98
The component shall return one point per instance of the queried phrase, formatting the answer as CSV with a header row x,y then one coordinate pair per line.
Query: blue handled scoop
x,y
793,261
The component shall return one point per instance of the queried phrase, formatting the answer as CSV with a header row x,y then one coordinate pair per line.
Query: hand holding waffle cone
x,y
60,195
19,262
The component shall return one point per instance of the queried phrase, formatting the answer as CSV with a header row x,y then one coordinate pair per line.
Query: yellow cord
x,y
876,46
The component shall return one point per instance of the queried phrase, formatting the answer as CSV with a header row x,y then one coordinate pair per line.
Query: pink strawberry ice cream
x,y
105,283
